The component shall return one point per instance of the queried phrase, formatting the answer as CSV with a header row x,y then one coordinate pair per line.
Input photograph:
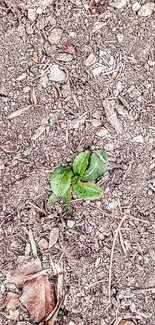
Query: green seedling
x,y
86,167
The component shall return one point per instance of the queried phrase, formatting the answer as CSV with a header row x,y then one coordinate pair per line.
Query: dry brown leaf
x,y
9,147
11,303
39,297
18,112
126,322
35,57
29,268
69,48
54,236
33,97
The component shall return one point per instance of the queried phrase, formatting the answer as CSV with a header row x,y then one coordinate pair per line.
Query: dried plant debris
x,y
41,297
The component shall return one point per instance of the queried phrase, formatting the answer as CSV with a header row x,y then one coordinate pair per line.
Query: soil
x,y
64,122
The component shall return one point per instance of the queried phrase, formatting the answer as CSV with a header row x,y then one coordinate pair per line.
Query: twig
x,y
33,244
33,276
36,207
112,254
122,243
144,290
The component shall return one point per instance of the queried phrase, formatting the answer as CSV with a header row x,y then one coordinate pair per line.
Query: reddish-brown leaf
x,y
30,268
39,297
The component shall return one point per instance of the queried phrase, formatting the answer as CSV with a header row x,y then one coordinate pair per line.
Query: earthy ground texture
x,y
82,73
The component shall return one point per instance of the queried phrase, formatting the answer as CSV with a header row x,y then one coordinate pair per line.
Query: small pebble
x,y
112,205
44,81
118,3
21,77
102,132
147,9
91,59
26,89
1,164
97,71
56,74
55,36
70,223
73,34
64,57
39,11
31,14
135,6
139,139
43,245
96,123
120,37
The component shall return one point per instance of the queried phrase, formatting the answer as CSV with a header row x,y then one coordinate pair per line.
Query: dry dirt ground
x,y
113,66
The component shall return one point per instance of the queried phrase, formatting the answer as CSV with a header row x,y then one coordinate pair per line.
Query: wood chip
x,y
111,115
54,236
38,132
19,111
98,25
33,97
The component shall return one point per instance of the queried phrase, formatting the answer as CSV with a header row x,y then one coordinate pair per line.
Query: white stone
x,y
102,132
98,25
72,34
151,63
138,139
21,76
56,74
96,123
39,11
70,223
31,14
120,37
98,70
65,57
135,6
55,36
26,89
118,3
1,164
44,81
146,9
91,59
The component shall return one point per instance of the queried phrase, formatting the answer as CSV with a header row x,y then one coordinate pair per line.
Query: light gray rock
x,y
64,57
118,3
55,36
135,6
146,9
31,14
56,74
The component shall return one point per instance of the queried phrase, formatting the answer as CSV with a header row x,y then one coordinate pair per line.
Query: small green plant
x,y
86,167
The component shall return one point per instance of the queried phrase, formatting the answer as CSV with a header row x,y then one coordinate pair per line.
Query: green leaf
x,y
98,165
61,180
51,199
87,191
67,199
80,163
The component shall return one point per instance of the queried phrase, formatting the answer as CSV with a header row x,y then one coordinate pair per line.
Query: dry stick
x,y
112,254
